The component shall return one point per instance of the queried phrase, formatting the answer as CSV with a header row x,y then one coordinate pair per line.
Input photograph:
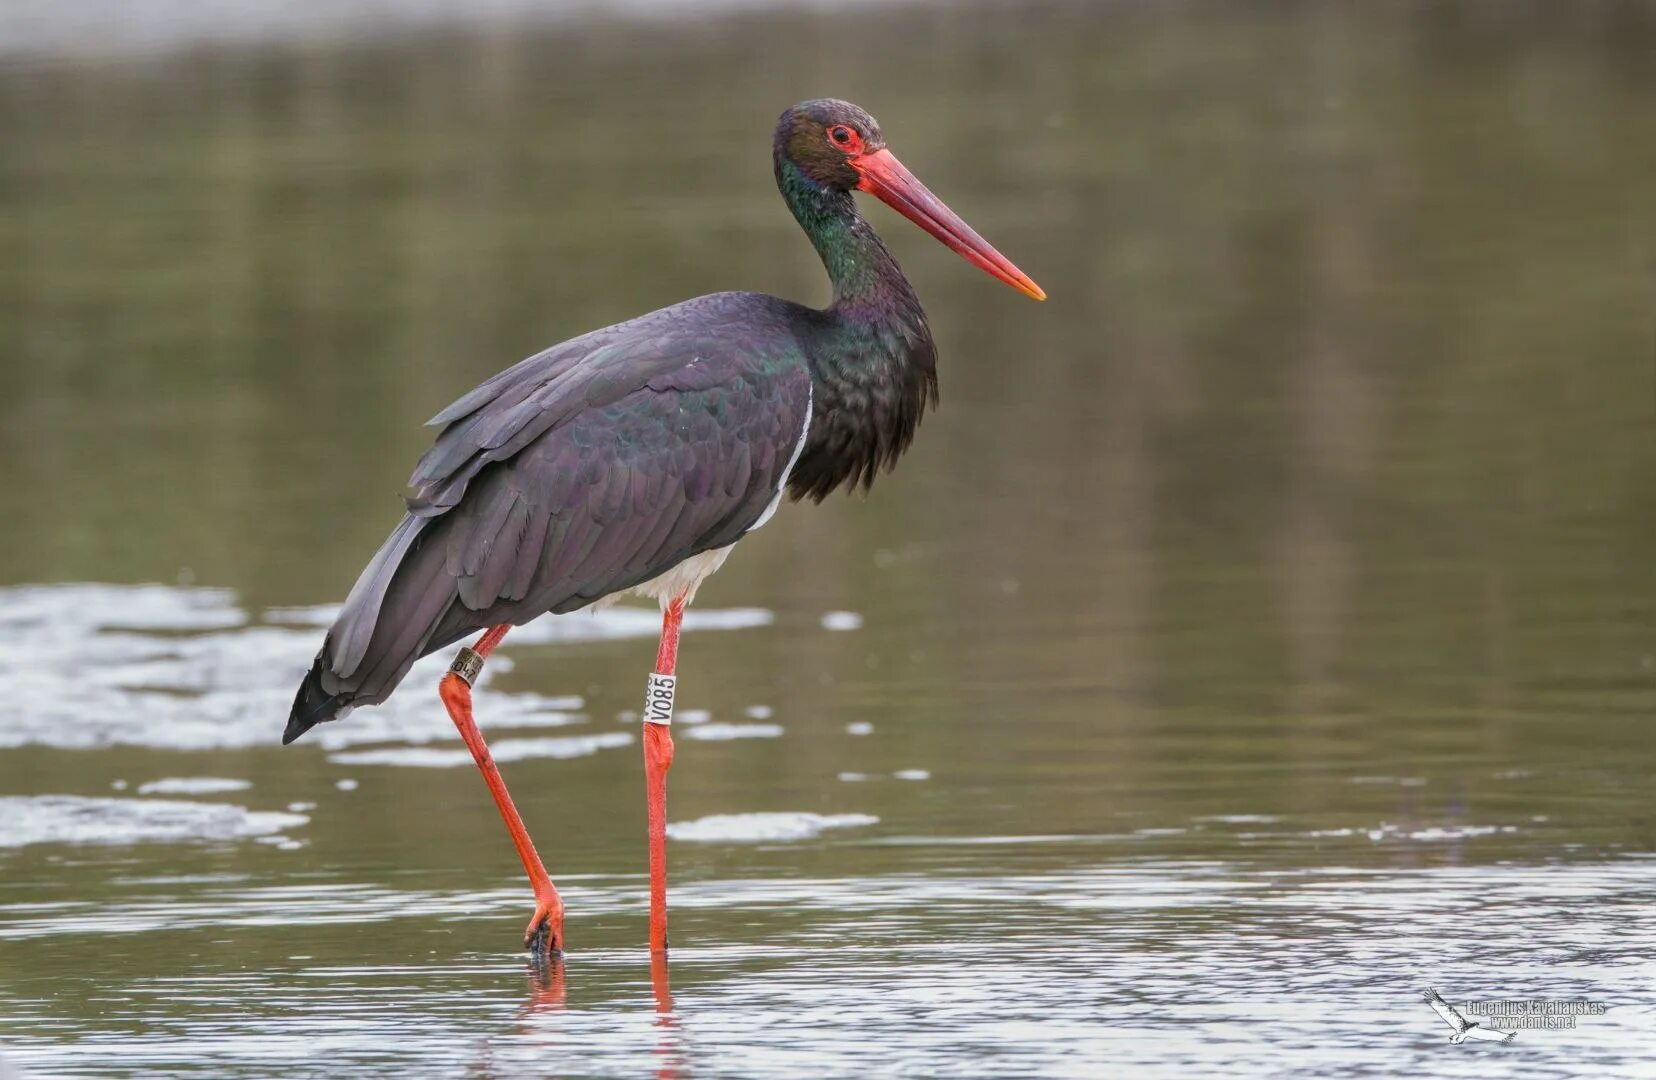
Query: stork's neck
x,y
862,269
873,363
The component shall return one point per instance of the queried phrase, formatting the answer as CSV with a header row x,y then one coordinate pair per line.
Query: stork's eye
x,y
845,138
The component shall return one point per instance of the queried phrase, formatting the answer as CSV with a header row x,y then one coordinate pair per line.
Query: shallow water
x,y
1261,632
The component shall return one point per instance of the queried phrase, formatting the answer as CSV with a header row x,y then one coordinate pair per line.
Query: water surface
x,y
1261,632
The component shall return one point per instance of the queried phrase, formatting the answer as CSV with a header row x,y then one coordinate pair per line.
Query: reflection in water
x,y
547,985
548,999
1075,962
1258,633
667,1049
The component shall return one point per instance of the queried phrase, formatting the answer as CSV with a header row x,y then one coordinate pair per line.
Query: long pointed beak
x,y
884,177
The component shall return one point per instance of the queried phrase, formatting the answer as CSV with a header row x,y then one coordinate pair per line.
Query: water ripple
x,y
1203,968
72,819
92,665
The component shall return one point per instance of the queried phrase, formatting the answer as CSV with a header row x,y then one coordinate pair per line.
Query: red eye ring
x,y
845,138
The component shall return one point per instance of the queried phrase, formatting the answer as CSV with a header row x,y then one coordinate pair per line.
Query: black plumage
x,y
585,470
605,462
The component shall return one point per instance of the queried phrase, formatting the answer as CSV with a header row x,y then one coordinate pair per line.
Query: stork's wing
x,y
620,494
1478,1031
1443,1009
700,342
588,469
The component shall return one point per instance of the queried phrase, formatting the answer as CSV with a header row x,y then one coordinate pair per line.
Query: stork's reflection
x,y
548,995
669,1052
548,985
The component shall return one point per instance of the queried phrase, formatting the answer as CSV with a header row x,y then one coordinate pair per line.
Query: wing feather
x,y
356,622
585,470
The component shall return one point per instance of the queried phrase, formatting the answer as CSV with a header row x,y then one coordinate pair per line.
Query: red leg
x,y
658,758
455,691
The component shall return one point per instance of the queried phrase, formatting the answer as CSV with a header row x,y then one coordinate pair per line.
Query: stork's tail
x,y
391,618
312,705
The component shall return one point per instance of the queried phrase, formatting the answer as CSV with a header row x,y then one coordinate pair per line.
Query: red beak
x,y
884,177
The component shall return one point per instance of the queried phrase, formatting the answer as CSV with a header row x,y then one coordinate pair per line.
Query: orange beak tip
x,y
883,176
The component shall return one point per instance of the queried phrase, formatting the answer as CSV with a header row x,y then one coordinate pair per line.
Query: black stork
x,y
634,457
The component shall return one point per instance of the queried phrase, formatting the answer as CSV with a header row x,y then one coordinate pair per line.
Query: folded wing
x,y
581,472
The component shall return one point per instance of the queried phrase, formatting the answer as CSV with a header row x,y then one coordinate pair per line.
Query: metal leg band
x,y
467,664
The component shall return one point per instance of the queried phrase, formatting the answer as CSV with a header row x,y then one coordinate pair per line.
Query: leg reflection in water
x,y
669,1052
548,994
547,985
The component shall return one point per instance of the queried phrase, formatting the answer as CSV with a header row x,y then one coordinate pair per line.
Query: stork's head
x,y
837,147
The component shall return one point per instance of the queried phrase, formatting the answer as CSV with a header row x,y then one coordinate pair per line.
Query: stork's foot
x,y
545,935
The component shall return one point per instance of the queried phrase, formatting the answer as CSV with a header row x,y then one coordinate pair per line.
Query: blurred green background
x,y
1331,457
